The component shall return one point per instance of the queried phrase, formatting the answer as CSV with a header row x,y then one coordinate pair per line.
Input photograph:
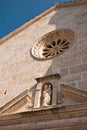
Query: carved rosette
x,y
53,44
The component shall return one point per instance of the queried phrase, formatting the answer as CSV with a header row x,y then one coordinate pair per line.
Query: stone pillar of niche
x,y
53,79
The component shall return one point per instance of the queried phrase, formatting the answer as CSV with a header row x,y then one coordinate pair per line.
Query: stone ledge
x,y
54,112
59,118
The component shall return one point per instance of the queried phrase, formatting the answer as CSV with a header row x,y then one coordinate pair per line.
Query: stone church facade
x,y
43,70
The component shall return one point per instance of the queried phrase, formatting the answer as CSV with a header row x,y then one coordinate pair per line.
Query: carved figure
x,y
47,94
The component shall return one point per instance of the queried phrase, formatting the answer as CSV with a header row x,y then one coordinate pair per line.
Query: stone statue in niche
x,y
47,94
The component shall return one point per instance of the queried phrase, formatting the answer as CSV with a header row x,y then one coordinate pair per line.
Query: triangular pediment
x,y
24,102
73,95
21,103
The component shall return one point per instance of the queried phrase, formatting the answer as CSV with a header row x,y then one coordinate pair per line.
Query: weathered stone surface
x,y
85,75
23,102
18,69
72,117
71,62
84,59
70,78
83,85
64,72
78,68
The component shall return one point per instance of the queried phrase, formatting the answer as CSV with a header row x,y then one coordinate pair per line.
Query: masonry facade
x,y
43,68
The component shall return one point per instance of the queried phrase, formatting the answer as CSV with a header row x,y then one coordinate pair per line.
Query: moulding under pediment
x,y
74,93
23,100
58,117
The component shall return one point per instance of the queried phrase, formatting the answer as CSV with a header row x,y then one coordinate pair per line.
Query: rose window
x,y
53,44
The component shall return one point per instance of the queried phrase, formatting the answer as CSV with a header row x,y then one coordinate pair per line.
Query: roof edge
x,y
58,5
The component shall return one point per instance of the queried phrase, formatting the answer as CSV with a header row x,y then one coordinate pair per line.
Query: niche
x,y
46,93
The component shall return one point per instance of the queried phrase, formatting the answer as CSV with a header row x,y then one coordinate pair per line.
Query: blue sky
x,y
14,13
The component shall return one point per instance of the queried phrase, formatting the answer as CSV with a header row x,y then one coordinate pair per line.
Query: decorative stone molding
x,y
57,118
57,94
74,93
53,44
24,102
48,80
52,118
21,103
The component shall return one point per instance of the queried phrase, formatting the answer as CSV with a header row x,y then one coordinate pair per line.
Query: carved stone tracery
x,y
53,44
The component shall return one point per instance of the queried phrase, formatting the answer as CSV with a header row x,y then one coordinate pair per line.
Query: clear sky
x,y
14,13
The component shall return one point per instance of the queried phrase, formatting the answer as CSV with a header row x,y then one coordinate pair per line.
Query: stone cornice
x,y
72,111
16,103
65,113
49,77
74,93
59,5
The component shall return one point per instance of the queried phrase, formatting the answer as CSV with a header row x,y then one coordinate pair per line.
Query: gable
x,y
19,69
74,93
71,95
22,102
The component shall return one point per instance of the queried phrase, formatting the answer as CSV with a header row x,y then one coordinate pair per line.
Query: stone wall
x,y
18,69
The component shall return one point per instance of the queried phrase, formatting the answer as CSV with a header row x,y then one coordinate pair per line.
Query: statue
x,y
47,94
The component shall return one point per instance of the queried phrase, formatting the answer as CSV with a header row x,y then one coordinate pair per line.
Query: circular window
x,y
53,44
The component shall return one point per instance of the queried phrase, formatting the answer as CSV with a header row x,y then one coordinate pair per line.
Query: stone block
x,y
71,62
78,68
73,84
70,78
84,59
82,85
71,53
85,75
64,71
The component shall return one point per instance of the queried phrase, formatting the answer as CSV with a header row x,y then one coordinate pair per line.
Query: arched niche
x,y
51,80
